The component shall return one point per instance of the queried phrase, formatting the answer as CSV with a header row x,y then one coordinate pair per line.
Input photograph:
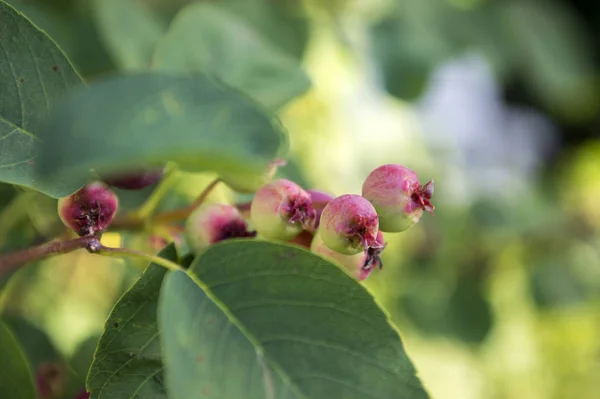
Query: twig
x,y
102,250
19,258
180,214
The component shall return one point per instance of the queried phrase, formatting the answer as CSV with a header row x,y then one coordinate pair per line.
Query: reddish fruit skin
x,y
83,395
320,200
359,265
51,379
281,209
89,210
135,180
303,239
349,225
211,223
395,192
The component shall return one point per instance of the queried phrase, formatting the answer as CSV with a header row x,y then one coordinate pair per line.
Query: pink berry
x,y
320,200
349,225
51,380
281,209
135,180
359,265
89,210
248,185
211,223
395,192
82,395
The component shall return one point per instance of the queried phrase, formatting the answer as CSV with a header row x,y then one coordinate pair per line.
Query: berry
x,y
89,210
395,192
319,202
360,265
303,239
211,223
51,379
82,395
281,209
248,185
349,225
135,180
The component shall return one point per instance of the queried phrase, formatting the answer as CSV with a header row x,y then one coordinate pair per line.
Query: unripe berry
x,y
89,210
281,209
304,239
248,185
211,223
395,192
349,225
319,202
360,265
135,180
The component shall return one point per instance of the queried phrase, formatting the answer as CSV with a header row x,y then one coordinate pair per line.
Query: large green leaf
x,y
128,358
16,380
274,321
283,22
151,118
34,74
234,52
130,30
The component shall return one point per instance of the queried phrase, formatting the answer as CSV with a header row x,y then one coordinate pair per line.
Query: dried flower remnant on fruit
x,y
372,258
89,210
354,264
395,192
248,185
349,225
135,180
211,223
281,209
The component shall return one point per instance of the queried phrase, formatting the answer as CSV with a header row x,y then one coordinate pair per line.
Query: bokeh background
x,y
497,296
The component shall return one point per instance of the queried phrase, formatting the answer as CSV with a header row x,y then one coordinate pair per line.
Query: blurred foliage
x,y
497,296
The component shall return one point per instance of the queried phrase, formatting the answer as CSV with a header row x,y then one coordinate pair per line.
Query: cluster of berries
x,y
346,229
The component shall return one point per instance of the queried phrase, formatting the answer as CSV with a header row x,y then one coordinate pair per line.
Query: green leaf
x,y
16,380
34,75
275,321
152,118
284,22
130,30
128,358
232,51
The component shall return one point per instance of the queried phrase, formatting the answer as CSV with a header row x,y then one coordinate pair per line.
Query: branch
x,y
102,250
19,258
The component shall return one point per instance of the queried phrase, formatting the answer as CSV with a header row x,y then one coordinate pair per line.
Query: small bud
x,y
51,380
211,223
135,180
349,225
398,197
89,210
281,209
319,202
359,265
248,185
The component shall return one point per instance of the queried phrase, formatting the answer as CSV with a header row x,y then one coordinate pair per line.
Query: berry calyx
x,y
135,180
248,185
349,225
90,210
395,192
359,265
211,223
281,209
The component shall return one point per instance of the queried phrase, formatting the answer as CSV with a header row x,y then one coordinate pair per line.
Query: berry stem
x,y
102,250
150,205
20,258
181,214
137,220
